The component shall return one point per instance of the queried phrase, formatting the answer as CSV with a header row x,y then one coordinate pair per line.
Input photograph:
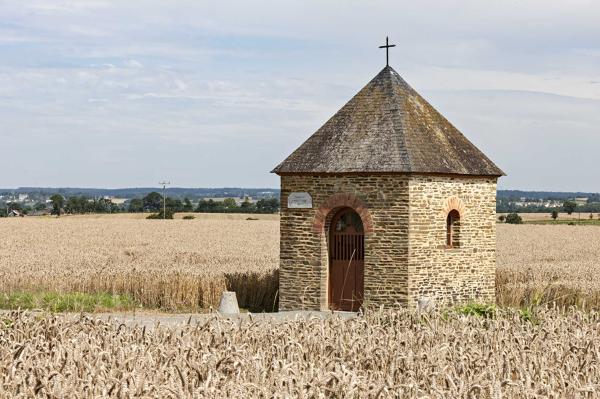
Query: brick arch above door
x,y
339,201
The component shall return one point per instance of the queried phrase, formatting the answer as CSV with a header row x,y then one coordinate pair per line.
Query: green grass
x,y
477,309
66,302
583,221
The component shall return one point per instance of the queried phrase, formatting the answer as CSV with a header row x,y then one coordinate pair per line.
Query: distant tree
x,y
501,218
169,215
153,201
136,205
514,218
209,206
187,205
104,205
174,204
267,205
554,214
39,207
78,205
247,206
229,204
14,206
591,216
57,204
569,206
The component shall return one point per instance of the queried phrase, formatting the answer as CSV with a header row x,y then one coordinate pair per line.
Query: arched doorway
x,y
346,260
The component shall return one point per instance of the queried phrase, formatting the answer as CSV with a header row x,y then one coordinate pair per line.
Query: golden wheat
x,y
548,264
168,264
188,263
390,353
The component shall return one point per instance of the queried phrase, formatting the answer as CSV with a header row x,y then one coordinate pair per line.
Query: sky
x,y
211,94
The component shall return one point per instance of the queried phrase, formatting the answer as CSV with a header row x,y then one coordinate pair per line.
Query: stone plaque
x,y
299,200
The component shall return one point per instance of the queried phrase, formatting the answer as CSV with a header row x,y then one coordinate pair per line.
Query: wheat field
x,y
186,264
173,264
386,353
548,264
522,350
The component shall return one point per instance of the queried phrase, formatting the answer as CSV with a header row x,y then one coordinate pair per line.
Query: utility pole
x,y
164,184
10,204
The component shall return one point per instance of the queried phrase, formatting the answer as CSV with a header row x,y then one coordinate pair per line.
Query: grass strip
x,y
66,302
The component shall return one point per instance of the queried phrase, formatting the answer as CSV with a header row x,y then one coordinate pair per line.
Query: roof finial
x,y
387,51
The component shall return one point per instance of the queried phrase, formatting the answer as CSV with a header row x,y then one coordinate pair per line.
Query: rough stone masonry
x,y
426,197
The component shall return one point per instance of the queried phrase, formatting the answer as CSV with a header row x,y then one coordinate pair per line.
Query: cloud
x,y
542,141
133,64
197,87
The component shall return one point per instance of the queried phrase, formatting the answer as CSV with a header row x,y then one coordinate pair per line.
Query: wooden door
x,y
346,261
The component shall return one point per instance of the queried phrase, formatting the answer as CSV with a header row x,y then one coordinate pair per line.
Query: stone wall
x,y
463,273
382,203
402,261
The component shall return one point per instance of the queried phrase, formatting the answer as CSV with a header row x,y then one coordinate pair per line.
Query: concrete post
x,y
229,303
424,304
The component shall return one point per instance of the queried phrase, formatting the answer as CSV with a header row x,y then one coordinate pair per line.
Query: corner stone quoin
x,y
343,200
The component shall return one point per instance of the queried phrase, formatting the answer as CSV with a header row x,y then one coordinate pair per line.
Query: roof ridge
x,y
400,81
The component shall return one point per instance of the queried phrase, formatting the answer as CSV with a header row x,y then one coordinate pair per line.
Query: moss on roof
x,y
388,128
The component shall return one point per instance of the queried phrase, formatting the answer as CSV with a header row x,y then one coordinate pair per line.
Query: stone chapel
x,y
385,204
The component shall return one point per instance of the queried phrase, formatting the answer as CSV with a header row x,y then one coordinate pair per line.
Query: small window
x,y
452,229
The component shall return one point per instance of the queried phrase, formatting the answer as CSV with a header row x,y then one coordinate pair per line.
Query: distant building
x,y
114,200
238,201
15,213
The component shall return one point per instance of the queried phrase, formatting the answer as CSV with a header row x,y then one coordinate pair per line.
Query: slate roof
x,y
388,128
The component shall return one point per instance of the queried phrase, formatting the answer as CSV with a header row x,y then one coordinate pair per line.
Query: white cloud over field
x,y
112,94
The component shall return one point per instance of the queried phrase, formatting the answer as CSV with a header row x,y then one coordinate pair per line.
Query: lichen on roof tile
x,y
387,127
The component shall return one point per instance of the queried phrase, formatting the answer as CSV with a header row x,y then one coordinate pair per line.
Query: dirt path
x,y
151,320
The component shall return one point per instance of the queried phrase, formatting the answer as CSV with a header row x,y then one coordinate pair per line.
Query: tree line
x,y
507,205
153,202
568,206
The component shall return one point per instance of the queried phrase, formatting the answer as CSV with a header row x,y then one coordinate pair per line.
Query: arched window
x,y
452,228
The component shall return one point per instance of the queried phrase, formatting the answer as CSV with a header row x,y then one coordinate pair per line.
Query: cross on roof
x,y
387,51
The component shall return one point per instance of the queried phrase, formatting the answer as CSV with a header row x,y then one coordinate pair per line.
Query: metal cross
x,y
387,51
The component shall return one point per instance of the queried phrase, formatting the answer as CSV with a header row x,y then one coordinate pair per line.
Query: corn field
x,y
386,353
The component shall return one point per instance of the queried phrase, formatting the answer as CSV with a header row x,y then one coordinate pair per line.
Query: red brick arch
x,y
339,201
453,203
